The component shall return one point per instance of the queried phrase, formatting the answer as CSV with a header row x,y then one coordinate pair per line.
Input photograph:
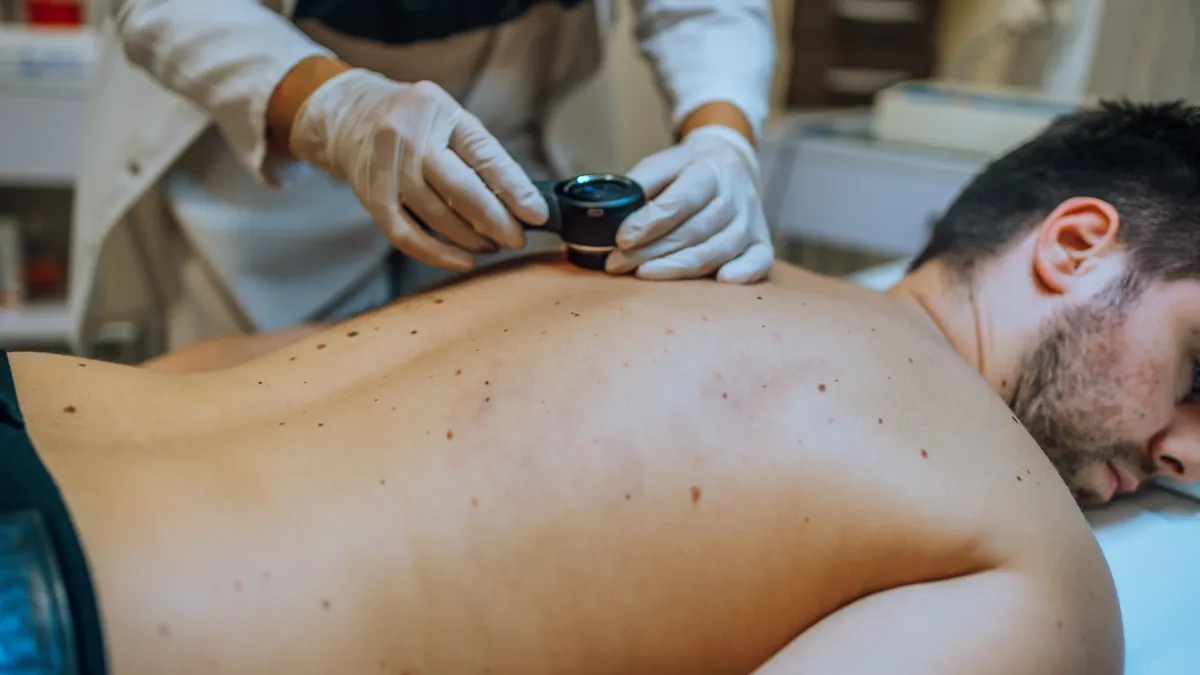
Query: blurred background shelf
x,y
45,76
44,80
34,325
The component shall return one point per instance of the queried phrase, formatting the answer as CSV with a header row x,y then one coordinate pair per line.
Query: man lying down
x,y
541,469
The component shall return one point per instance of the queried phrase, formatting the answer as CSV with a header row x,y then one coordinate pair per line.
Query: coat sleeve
x,y
710,50
225,56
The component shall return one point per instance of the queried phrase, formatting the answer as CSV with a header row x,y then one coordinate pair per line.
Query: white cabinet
x,y
826,180
44,80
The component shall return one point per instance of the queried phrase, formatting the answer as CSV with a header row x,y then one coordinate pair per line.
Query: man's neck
x,y
957,312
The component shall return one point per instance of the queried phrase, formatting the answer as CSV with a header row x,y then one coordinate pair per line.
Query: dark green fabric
x,y
25,485
403,22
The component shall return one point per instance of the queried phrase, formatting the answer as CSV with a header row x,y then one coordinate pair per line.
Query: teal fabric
x,y
404,22
31,504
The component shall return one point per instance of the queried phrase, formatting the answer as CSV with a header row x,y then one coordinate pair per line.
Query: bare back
x,y
545,470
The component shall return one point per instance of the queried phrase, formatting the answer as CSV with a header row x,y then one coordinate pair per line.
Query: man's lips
x,y
1123,482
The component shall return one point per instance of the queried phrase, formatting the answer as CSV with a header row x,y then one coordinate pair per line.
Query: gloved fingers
x,y
480,150
714,217
695,188
752,265
465,192
405,233
434,211
700,260
655,173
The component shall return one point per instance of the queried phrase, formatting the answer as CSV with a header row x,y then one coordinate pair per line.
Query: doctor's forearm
x,y
713,58
224,56
719,112
291,93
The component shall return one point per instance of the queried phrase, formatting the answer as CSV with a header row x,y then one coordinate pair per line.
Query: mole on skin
x,y
320,346
821,387
449,434
924,453
695,494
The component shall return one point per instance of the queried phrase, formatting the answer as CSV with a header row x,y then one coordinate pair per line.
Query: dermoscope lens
x,y
587,210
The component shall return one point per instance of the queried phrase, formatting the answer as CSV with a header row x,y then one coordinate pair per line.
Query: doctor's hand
x,y
411,150
704,213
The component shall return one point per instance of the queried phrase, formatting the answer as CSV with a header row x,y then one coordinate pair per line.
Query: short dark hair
x,y
1143,159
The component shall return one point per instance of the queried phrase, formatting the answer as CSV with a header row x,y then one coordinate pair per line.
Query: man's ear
x,y
1078,235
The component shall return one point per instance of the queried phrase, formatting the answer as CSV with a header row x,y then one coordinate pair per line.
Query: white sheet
x,y
1152,544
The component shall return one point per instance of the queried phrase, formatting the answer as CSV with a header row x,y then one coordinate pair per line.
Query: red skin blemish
x,y
776,336
821,387
426,432
695,495
881,420
626,364
924,452
628,496
670,331
237,585
724,395
543,332
449,435
704,318
1018,478
458,372
474,501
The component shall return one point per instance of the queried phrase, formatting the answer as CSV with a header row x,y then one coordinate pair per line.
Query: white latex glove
x,y
704,213
413,146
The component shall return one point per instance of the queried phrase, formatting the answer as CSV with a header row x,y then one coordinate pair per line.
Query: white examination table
x,y
1152,543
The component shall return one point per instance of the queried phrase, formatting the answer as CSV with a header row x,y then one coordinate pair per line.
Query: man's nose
x,y
1176,452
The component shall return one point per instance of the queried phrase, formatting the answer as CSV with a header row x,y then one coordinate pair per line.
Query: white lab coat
x,y
137,128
